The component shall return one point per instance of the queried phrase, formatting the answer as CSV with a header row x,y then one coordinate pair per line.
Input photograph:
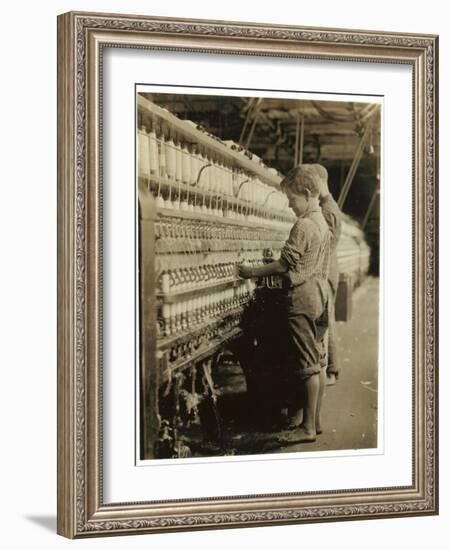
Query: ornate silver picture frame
x,y
83,510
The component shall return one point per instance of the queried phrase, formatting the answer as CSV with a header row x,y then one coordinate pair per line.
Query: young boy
x,y
304,264
333,217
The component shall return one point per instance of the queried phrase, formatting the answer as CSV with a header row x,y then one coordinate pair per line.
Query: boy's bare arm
x,y
274,268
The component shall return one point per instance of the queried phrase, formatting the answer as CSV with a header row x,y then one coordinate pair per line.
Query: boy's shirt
x,y
306,253
333,216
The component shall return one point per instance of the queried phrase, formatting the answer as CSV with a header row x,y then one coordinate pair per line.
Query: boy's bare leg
x,y
294,418
333,367
306,432
312,388
322,384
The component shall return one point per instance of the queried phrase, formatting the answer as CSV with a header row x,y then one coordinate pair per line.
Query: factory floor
x,y
349,412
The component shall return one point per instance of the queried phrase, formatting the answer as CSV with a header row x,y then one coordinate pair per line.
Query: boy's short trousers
x,y
307,323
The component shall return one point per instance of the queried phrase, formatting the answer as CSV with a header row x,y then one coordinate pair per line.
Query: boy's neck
x,y
313,204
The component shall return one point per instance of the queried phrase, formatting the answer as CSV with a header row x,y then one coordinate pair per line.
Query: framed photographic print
x,y
247,287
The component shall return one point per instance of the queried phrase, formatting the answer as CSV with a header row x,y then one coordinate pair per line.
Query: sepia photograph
x,y
258,290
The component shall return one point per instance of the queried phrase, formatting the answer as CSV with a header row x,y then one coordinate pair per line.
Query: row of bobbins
x,y
200,276
198,310
211,182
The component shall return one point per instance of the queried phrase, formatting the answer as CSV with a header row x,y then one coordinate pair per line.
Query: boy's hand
x,y
245,271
